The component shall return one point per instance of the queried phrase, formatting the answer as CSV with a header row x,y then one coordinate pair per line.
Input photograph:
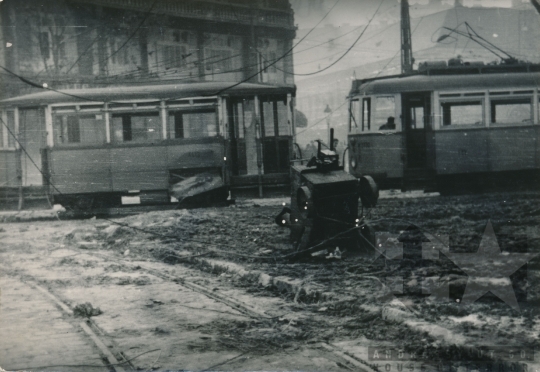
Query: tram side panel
x,y
78,170
188,157
139,168
377,155
461,151
512,149
8,169
121,169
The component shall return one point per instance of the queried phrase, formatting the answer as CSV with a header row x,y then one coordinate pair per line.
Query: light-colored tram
x,y
97,145
452,125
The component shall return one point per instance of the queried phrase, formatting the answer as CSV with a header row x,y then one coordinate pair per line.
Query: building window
x,y
139,128
174,56
511,111
74,128
267,54
44,45
462,113
222,55
218,60
193,124
118,56
268,62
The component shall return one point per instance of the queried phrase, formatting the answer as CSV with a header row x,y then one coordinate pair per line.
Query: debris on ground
x,y
86,310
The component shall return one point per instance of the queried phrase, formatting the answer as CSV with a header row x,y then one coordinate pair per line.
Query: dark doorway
x,y
276,137
416,115
237,134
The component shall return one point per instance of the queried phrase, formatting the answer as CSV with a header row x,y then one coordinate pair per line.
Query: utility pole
x,y
407,59
536,4
328,113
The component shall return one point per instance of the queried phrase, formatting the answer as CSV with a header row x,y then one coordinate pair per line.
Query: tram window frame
x,y
509,101
446,121
176,123
274,122
354,114
68,128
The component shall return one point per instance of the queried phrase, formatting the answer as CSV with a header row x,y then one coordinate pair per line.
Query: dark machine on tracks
x,y
323,213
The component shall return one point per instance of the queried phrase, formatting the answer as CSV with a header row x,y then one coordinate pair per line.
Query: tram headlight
x,y
353,163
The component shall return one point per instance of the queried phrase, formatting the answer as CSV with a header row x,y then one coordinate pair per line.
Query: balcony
x,y
207,10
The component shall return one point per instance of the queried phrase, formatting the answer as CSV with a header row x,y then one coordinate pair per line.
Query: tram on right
x,y
447,125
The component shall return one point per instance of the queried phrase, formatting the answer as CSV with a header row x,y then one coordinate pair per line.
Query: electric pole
x,y
406,44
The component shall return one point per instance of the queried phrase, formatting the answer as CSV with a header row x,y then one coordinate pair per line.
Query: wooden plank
x,y
141,180
138,159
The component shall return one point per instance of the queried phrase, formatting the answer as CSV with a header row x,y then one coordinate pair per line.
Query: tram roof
x,y
450,82
146,92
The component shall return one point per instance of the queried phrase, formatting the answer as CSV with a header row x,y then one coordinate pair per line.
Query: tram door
x,y
275,137
275,134
416,117
240,111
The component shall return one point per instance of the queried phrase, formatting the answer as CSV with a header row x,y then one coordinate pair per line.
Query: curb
x,y
296,287
28,216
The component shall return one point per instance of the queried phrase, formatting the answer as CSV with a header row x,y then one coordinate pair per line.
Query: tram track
x,y
94,334
115,358
347,359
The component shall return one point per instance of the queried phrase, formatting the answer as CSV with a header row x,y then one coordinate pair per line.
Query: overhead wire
x,y
380,71
175,237
348,49
282,56
359,226
46,87
132,227
321,120
138,72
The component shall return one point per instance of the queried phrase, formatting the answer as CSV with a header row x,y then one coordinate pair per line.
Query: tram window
x,y
385,107
73,128
366,114
238,112
462,113
193,124
417,117
354,113
283,118
268,119
275,110
511,111
137,128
